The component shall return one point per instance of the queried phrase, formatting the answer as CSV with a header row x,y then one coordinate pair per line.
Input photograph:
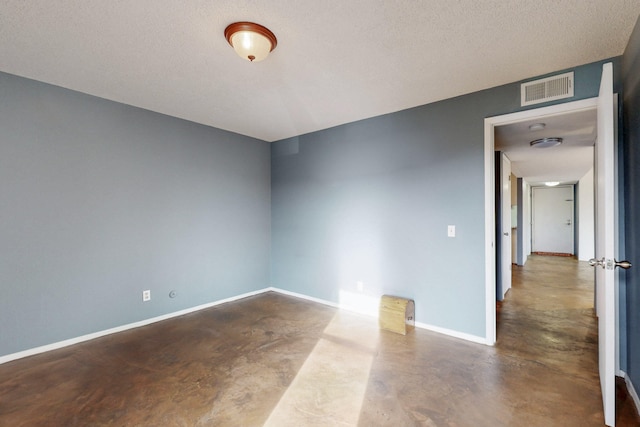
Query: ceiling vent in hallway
x,y
547,89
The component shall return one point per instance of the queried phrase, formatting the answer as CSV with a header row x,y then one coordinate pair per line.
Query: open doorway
x,y
567,163
541,163
556,182
604,263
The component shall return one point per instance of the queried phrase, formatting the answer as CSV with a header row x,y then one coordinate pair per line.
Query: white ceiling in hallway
x,y
337,61
566,163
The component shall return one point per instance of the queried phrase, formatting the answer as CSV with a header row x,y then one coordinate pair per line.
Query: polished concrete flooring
x,y
274,360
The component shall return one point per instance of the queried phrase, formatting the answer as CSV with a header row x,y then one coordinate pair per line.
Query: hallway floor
x,y
275,360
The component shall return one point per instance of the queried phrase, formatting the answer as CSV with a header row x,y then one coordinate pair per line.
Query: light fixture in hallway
x,y
546,142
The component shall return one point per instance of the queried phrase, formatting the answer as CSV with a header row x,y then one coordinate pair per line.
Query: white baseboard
x,y
72,341
452,333
305,297
366,311
443,331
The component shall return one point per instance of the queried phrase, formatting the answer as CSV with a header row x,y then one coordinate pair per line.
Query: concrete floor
x,y
274,360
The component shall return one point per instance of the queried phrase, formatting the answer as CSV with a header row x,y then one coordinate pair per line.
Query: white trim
x,y
632,391
452,333
443,331
88,337
77,340
305,297
619,237
489,197
553,110
489,234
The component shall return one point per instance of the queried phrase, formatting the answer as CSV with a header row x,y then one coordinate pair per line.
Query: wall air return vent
x,y
548,89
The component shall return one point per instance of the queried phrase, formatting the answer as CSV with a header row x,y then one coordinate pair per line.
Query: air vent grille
x,y
548,89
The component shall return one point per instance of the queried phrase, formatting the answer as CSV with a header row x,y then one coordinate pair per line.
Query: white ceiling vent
x,y
548,89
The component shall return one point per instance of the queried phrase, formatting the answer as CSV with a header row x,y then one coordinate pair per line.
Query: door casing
x,y
489,187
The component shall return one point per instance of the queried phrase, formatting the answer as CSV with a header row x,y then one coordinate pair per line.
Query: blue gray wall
x,y
631,159
370,201
99,201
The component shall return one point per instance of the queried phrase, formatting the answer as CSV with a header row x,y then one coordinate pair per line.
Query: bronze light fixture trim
x,y
251,41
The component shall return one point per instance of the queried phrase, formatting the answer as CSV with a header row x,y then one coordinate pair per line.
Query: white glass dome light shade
x,y
251,46
251,41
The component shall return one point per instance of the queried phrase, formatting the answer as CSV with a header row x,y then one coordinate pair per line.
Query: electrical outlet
x,y
451,231
146,295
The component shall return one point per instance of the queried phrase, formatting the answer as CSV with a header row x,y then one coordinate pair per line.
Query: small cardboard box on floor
x,y
397,314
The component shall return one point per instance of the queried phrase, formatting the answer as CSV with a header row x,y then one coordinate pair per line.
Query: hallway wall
x,y
586,217
524,221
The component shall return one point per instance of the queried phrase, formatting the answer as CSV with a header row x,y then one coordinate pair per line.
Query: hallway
x,y
548,317
276,360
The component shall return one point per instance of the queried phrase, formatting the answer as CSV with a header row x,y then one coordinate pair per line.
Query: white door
x,y
605,243
553,219
505,197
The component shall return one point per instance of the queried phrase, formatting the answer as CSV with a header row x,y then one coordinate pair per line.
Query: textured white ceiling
x,y
566,163
337,61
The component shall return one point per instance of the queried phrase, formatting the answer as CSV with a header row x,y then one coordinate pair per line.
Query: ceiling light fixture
x,y
551,183
537,126
546,142
251,41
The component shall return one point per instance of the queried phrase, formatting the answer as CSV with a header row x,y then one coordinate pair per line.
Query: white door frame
x,y
506,257
489,194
